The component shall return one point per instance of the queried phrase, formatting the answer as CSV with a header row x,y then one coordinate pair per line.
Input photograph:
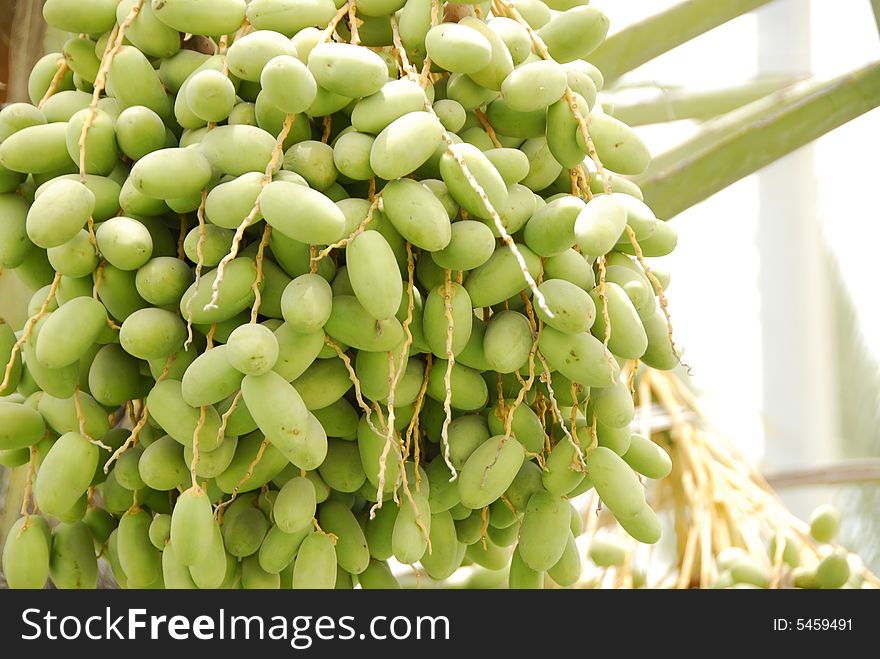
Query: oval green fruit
x,y
163,280
378,576
405,145
550,231
395,99
315,564
374,275
575,33
647,458
179,420
191,522
600,225
72,561
644,526
352,553
442,493
61,415
470,246
171,173
175,575
213,463
833,570
210,379
573,309
152,333
235,293
114,376
323,383
301,213
560,474
20,426
507,342
279,548
342,469
296,351
616,483
445,557
99,148
244,527
160,530
125,242
133,81
567,570
825,523
371,446
489,471
466,434
60,382
525,426
500,278
350,324
607,551
521,576
545,531
629,339
409,538
252,349
58,214
210,96
351,155
150,35
42,75
139,559
534,85
613,406
282,416
92,16
65,474
500,64
563,130
139,131
238,149
15,246
26,554
295,506
207,17
347,69
76,258
660,354
288,84
483,172
211,571
619,147
417,214
268,467
436,324
469,389
161,465
458,48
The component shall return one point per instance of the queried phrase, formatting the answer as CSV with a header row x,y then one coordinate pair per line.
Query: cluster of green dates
x,y
178,152
788,556
831,567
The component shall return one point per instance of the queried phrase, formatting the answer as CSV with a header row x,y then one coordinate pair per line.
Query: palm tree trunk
x,y
22,32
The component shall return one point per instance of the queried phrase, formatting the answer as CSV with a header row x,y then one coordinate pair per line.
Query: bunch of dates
x,y
319,285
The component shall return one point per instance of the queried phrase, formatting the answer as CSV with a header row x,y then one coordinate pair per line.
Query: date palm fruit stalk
x,y
730,528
